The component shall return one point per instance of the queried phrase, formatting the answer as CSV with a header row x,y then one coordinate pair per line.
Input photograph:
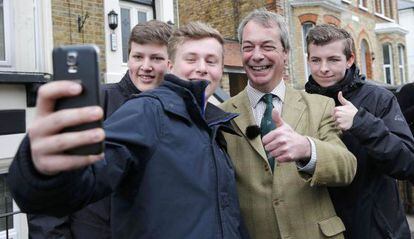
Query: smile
x,y
260,68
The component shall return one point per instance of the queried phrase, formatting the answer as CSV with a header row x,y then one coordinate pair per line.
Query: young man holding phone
x,y
147,64
164,158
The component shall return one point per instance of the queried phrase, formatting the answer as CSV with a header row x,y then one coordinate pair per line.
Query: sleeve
x,y
131,135
47,227
387,138
336,166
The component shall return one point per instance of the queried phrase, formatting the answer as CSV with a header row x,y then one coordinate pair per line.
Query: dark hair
x,y
324,34
151,32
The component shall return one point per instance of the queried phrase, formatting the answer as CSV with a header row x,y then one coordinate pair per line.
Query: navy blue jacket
x,y
164,163
93,221
380,139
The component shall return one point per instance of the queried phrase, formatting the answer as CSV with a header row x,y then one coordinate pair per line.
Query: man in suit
x,y
282,176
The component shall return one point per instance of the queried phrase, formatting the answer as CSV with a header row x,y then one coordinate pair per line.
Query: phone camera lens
x,y
71,58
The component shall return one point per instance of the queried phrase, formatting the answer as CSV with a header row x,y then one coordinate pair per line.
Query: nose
x,y
257,54
146,65
201,68
324,67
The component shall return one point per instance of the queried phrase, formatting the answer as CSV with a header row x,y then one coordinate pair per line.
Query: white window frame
x,y
401,62
386,66
7,62
305,52
364,67
361,5
133,14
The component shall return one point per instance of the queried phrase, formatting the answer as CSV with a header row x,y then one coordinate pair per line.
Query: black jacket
x,y
164,163
93,221
384,147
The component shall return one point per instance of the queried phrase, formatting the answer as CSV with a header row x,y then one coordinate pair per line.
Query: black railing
x,y
6,216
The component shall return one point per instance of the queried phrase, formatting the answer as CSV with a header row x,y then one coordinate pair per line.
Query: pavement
x,y
410,219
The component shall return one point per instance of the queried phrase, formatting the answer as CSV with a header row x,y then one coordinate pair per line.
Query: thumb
x,y
341,99
277,118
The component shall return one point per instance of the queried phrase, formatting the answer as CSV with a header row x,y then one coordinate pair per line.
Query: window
x,y
6,204
366,59
5,47
132,14
363,4
388,72
401,62
305,29
380,6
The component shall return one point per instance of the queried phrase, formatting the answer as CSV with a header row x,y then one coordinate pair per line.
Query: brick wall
x,y
65,24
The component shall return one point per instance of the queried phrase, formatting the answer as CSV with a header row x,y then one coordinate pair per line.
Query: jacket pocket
x,y
331,226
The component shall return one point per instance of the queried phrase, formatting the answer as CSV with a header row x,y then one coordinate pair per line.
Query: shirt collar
x,y
255,95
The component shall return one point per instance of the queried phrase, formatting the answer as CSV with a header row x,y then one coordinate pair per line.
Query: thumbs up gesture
x,y
344,115
284,144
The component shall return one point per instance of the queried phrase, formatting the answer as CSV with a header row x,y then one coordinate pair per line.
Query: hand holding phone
x,y
79,63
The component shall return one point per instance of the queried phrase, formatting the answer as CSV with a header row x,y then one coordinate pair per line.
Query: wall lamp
x,y
113,24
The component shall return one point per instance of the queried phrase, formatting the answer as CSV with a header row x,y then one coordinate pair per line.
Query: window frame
x,y
7,62
304,47
401,62
390,65
133,8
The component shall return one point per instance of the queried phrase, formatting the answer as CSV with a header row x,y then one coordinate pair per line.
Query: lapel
x,y
241,105
293,108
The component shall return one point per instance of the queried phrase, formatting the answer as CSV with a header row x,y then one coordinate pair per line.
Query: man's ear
x,y
350,61
170,65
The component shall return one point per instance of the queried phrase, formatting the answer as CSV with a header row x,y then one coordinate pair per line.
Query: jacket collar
x,y
190,103
351,81
127,86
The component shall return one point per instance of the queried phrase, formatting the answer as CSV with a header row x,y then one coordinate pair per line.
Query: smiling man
x,y
165,164
283,168
374,130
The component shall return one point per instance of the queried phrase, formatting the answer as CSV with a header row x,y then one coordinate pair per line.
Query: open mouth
x,y
146,78
260,68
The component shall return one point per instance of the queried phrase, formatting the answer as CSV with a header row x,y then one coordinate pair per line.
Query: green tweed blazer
x,y
288,203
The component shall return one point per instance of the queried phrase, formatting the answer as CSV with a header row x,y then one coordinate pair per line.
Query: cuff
x,y
310,166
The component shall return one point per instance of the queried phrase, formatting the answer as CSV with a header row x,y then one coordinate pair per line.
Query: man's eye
x,y
158,58
269,48
190,60
137,57
315,60
247,48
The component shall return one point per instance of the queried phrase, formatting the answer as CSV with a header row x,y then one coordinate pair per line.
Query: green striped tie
x,y
267,123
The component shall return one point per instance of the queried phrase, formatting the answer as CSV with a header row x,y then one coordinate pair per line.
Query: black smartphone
x,y
79,63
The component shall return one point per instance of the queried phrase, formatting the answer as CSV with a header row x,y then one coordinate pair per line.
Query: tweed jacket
x,y
288,203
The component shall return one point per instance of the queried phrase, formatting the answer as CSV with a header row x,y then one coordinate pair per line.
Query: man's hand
x,y
284,144
47,144
344,115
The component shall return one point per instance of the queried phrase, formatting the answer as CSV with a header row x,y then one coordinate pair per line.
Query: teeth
x,y
259,68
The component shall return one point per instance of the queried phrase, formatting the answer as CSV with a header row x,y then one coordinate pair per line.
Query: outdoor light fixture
x,y
113,19
113,24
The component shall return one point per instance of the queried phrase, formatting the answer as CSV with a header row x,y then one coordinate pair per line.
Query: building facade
x,y
380,40
406,14
29,29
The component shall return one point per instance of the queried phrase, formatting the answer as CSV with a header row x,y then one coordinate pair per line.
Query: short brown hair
x,y
324,34
192,31
151,32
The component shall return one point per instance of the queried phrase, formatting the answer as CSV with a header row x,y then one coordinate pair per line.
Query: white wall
x,y
406,20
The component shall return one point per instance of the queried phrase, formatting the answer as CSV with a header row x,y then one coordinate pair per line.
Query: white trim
x,y
346,1
391,27
390,65
401,62
324,4
384,17
7,14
